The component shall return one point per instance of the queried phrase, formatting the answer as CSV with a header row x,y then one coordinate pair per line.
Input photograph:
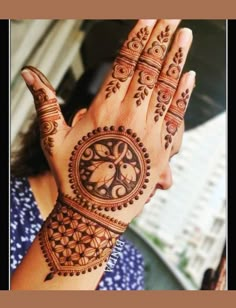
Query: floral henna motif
x,y
175,115
73,244
150,65
174,68
158,48
169,79
163,99
126,61
147,80
109,168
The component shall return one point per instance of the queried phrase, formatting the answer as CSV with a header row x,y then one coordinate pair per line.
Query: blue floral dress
x,y
26,221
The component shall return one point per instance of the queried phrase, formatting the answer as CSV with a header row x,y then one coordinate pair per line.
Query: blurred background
x,y
181,232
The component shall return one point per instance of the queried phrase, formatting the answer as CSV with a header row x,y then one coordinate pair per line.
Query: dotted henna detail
x,y
175,116
109,168
73,244
126,61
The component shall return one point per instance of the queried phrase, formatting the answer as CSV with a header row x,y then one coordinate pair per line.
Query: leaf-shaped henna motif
x,y
102,150
103,174
116,172
150,64
174,116
128,172
174,68
126,61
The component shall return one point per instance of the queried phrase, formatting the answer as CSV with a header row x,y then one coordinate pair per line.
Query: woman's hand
x,y
109,162
115,155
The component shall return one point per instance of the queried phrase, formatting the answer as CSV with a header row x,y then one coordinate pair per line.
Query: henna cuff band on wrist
x,y
73,244
106,221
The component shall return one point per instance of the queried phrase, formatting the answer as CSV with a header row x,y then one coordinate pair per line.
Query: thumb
x,y
48,110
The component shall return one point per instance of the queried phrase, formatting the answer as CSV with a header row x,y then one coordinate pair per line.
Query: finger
x,y
169,77
48,110
123,68
175,114
149,66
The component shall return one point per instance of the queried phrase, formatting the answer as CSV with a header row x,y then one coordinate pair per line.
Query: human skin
x,y
109,162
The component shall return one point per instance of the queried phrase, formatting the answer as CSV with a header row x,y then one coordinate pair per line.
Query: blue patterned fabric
x,y
26,221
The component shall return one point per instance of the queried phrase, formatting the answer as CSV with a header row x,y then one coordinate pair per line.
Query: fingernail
x,y
192,73
149,22
28,77
184,36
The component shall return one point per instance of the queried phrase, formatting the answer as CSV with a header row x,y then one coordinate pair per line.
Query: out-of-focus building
x,y
188,221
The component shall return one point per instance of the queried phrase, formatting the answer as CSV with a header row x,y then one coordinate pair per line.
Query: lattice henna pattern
x,y
126,61
72,243
109,168
175,116
150,65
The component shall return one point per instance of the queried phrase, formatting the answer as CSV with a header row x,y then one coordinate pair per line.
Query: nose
x,y
166,180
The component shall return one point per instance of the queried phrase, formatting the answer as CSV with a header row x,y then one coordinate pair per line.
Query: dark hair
x,y
29,160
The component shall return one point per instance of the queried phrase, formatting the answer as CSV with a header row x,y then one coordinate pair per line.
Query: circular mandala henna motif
x,y
108,168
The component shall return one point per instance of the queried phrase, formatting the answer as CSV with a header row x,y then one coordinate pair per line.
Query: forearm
x,y
71,250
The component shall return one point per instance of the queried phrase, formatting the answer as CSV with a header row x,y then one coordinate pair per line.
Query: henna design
x,y
150,65
170,78
48,113
158,47
174,68
73,244
126,61
104,220
47,109
147,80
175,116
108,168
163,98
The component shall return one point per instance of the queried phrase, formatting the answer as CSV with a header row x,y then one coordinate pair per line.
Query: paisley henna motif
x,y
108,169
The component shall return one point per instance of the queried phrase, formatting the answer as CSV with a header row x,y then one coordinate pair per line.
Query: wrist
x,y
77,241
